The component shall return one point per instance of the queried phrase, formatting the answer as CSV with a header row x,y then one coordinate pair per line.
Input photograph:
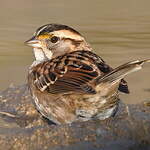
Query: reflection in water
x,y
119,33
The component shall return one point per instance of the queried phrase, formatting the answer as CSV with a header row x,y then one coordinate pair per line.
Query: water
x,y
118,30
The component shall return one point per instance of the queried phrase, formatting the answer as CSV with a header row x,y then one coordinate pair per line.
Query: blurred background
x,y
118,30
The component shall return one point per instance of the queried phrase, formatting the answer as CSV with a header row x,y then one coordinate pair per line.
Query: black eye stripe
x,y
54,39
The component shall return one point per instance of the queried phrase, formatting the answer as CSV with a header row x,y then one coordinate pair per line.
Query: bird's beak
x,y
33,42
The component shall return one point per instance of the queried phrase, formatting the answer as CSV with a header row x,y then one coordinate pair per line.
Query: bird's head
x,y
53,40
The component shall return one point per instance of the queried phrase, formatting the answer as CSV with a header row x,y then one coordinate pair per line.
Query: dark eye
x,y
54,39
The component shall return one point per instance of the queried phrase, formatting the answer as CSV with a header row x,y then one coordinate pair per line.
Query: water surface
x,y
118,30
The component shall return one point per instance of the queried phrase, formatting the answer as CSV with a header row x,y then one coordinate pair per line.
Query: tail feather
x,y
123,87
120,72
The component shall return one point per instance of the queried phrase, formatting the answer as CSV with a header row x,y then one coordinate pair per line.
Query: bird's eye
x,y
54,39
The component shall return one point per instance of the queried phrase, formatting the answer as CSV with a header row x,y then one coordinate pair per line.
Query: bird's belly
x,y
54,108
70,108
97,107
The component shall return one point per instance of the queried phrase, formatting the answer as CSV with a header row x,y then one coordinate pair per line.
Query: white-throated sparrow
x,y
69,82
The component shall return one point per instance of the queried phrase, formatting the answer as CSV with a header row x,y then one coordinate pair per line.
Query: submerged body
x,y
68,82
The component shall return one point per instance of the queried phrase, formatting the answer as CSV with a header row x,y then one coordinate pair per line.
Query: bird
x,y
69,82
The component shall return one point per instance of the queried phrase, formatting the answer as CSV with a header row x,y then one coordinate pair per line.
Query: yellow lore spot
x,y
45,36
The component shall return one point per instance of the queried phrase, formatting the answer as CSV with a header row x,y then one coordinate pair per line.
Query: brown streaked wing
x,y
72,72
78,78
75,80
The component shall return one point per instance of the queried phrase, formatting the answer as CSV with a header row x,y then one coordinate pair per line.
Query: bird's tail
x,y
120,72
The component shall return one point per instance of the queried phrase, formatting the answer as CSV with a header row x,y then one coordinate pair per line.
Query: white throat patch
x,y
39,54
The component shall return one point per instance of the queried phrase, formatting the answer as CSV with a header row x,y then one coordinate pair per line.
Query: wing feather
x,y
72,72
